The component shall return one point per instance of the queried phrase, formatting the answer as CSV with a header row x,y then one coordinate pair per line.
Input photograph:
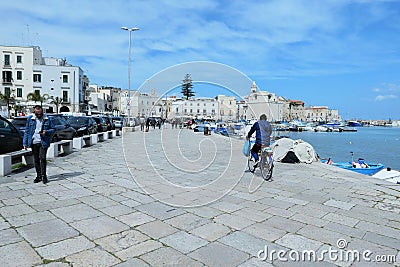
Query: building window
x,y
7,91
6,60
65,78
191,110
204,111
185,110
198,111
19,59
213,111
37,78
7,76
198,104
19,92
65,96
19,75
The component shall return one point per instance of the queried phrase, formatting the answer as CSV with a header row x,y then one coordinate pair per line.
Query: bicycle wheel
x,y
266,168
250,163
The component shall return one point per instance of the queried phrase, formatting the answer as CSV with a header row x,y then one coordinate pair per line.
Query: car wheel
x,y
55,139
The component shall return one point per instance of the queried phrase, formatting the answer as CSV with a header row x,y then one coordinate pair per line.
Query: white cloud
x,y
385,97
376,90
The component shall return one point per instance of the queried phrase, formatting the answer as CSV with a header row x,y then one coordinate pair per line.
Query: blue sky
x,y
344,54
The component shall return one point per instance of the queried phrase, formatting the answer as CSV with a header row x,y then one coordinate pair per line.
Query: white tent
x,y
303,150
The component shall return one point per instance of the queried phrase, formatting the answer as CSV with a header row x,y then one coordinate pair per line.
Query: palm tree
x,y
56,101
36,97
8,99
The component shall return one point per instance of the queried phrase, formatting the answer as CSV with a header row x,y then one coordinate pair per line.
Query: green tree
x,y
56,101
37,97
187,86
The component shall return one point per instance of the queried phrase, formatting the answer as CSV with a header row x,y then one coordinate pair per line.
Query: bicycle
x,y
266,163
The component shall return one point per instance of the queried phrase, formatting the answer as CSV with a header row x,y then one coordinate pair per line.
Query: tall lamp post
x,y
128,101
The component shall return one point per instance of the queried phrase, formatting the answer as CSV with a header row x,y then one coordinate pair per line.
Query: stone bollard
x,y
78,142
93,139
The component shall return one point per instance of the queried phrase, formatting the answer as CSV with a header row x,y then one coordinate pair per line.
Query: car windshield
x,y
78,120
19,122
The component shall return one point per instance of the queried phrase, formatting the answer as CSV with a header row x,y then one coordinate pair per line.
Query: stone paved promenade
x,y
187,200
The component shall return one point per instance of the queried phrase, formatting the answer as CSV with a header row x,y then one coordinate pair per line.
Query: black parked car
x,y
20,123
109,122
64,131
83,125
10,137
101,124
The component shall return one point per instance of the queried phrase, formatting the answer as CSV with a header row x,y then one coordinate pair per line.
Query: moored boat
x,y
370,170
354,124
347,129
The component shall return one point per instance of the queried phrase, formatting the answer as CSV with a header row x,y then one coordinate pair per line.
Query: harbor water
x,y
374,144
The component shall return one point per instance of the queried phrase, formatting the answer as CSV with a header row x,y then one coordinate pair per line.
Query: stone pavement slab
x,y
217,254
65,248
157,229
99,227
165,256
47,232
92,257
183,242
18,254
76,212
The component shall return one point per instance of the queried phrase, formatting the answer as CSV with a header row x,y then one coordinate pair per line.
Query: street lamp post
x,y
128,101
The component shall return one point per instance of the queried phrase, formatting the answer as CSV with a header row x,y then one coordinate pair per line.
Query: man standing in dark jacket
x,y
263,131
38,132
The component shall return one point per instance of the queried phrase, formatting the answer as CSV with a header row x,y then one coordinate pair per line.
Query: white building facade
x,y
201,108
25,71
59,79
227,108
261,102
17,71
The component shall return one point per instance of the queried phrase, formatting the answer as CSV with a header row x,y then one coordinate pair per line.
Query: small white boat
x,y
320,128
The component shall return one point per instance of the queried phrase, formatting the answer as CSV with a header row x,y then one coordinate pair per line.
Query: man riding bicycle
x,y
263,131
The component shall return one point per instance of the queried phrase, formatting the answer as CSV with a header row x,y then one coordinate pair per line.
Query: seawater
x,y
374,144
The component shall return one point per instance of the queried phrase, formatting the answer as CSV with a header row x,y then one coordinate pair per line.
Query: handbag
x,y
246,148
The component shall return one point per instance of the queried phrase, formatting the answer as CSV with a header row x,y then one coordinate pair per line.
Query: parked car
x,y
118,122
64,131
83,125
10,137
101,124
109,122
20,123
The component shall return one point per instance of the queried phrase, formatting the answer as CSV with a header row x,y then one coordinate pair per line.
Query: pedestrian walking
x,y
147,124
38,132
142,123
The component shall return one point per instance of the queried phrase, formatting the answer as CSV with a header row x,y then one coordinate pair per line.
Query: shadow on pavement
x,y
62,176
